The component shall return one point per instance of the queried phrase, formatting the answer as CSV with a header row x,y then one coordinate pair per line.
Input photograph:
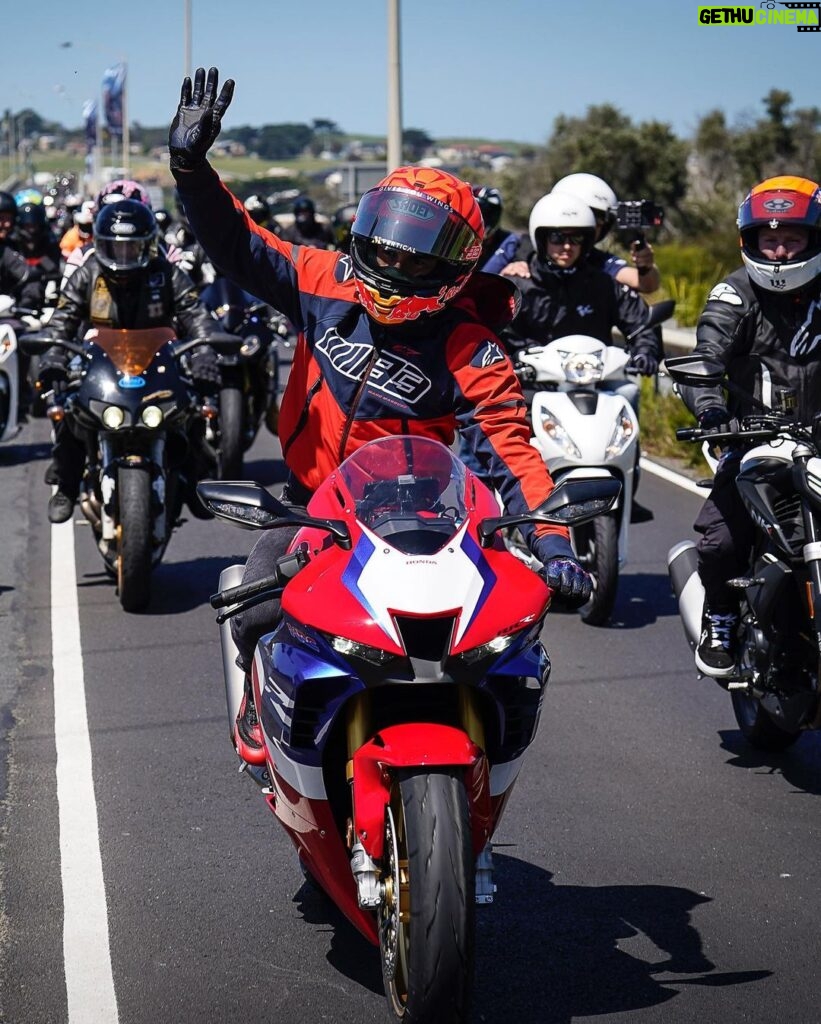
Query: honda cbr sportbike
x,y
397,694
579,420
775,685
138,416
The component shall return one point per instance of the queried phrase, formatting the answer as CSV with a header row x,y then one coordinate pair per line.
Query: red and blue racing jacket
x,y
354,380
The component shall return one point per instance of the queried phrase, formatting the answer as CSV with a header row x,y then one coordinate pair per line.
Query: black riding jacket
x,y
161,295
582,300
764,340
17,278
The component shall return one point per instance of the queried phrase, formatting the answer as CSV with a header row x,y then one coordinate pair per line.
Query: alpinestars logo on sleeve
x,y
390,374
808,336
487,354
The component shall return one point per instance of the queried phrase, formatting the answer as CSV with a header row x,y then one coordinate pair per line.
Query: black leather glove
x,y
712,417
570,580
52,373
644,363
198,119
205,370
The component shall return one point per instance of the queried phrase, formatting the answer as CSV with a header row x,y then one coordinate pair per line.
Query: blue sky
x,y
501,70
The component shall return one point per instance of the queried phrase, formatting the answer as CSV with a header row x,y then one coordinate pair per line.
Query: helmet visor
x,y
410,221
119,254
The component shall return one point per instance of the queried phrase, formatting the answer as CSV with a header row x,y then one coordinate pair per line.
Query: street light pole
x,y
186,38
394,88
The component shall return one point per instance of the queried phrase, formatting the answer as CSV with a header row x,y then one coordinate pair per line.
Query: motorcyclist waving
x,y
391,339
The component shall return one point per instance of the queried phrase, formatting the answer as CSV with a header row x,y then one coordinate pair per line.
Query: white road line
x,y
674,478
89,978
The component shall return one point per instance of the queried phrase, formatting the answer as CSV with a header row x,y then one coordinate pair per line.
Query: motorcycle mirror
x,y
251,507
35,343
572,502
660,311
695,371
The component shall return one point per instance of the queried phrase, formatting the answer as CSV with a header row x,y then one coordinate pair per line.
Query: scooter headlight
x,y
152,416
552,426
582,367
623,433
113,417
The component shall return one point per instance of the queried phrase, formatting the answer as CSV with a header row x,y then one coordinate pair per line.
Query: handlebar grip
x,y
688,434
234,595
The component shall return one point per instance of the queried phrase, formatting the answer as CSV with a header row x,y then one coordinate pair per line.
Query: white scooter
x,y
9,367
582,419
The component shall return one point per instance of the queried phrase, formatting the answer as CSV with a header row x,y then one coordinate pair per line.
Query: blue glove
x,y
569,579
644,363
198,119
712,417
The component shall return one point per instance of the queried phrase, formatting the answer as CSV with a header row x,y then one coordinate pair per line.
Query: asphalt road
x,y
650,867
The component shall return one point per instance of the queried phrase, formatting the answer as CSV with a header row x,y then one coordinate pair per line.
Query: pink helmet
x,y
122,188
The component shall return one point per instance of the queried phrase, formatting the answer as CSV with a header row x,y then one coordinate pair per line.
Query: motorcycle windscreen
x,y
407,490
131,351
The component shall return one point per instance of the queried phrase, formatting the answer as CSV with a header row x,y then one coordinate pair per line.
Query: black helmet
x,y
304,210
341,223
7,203
490,203
31,219
125,235
258,209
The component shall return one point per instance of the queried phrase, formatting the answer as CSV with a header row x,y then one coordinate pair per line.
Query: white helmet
x,y
596,193
561,211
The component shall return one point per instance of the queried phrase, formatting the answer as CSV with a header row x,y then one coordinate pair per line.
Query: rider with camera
x,y
391,341
125,283
763,324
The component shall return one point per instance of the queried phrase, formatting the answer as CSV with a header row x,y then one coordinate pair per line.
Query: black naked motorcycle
x,y
776,684
250,373
143,426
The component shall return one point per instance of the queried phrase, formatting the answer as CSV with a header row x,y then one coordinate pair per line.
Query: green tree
x,y
415,142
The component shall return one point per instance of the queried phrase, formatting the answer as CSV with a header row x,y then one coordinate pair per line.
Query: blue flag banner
x,y
90,123
113,88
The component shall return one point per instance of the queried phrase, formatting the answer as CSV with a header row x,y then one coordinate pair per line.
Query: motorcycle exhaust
x,y
682,564
234,676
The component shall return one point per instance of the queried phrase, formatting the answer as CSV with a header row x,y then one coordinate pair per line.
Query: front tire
x,y
758,728
231,447
134,538
426,925
597,547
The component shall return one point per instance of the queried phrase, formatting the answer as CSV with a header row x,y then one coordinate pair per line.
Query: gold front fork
x,y
469,716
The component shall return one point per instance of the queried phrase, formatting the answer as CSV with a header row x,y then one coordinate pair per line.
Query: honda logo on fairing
x,y
390,374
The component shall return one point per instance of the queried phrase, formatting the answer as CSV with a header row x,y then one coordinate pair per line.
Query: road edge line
x,y
86,950
672,477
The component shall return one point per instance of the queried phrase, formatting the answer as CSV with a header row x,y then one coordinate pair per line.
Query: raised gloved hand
x,y
569,579
712,417
198,119
644,363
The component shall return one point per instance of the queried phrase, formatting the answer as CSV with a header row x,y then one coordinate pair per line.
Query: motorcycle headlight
x,y
113,417
623,433
490,649
552,426
583,367
352,649
152,416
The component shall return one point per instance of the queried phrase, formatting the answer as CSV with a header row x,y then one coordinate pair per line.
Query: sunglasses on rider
x,y
565,238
